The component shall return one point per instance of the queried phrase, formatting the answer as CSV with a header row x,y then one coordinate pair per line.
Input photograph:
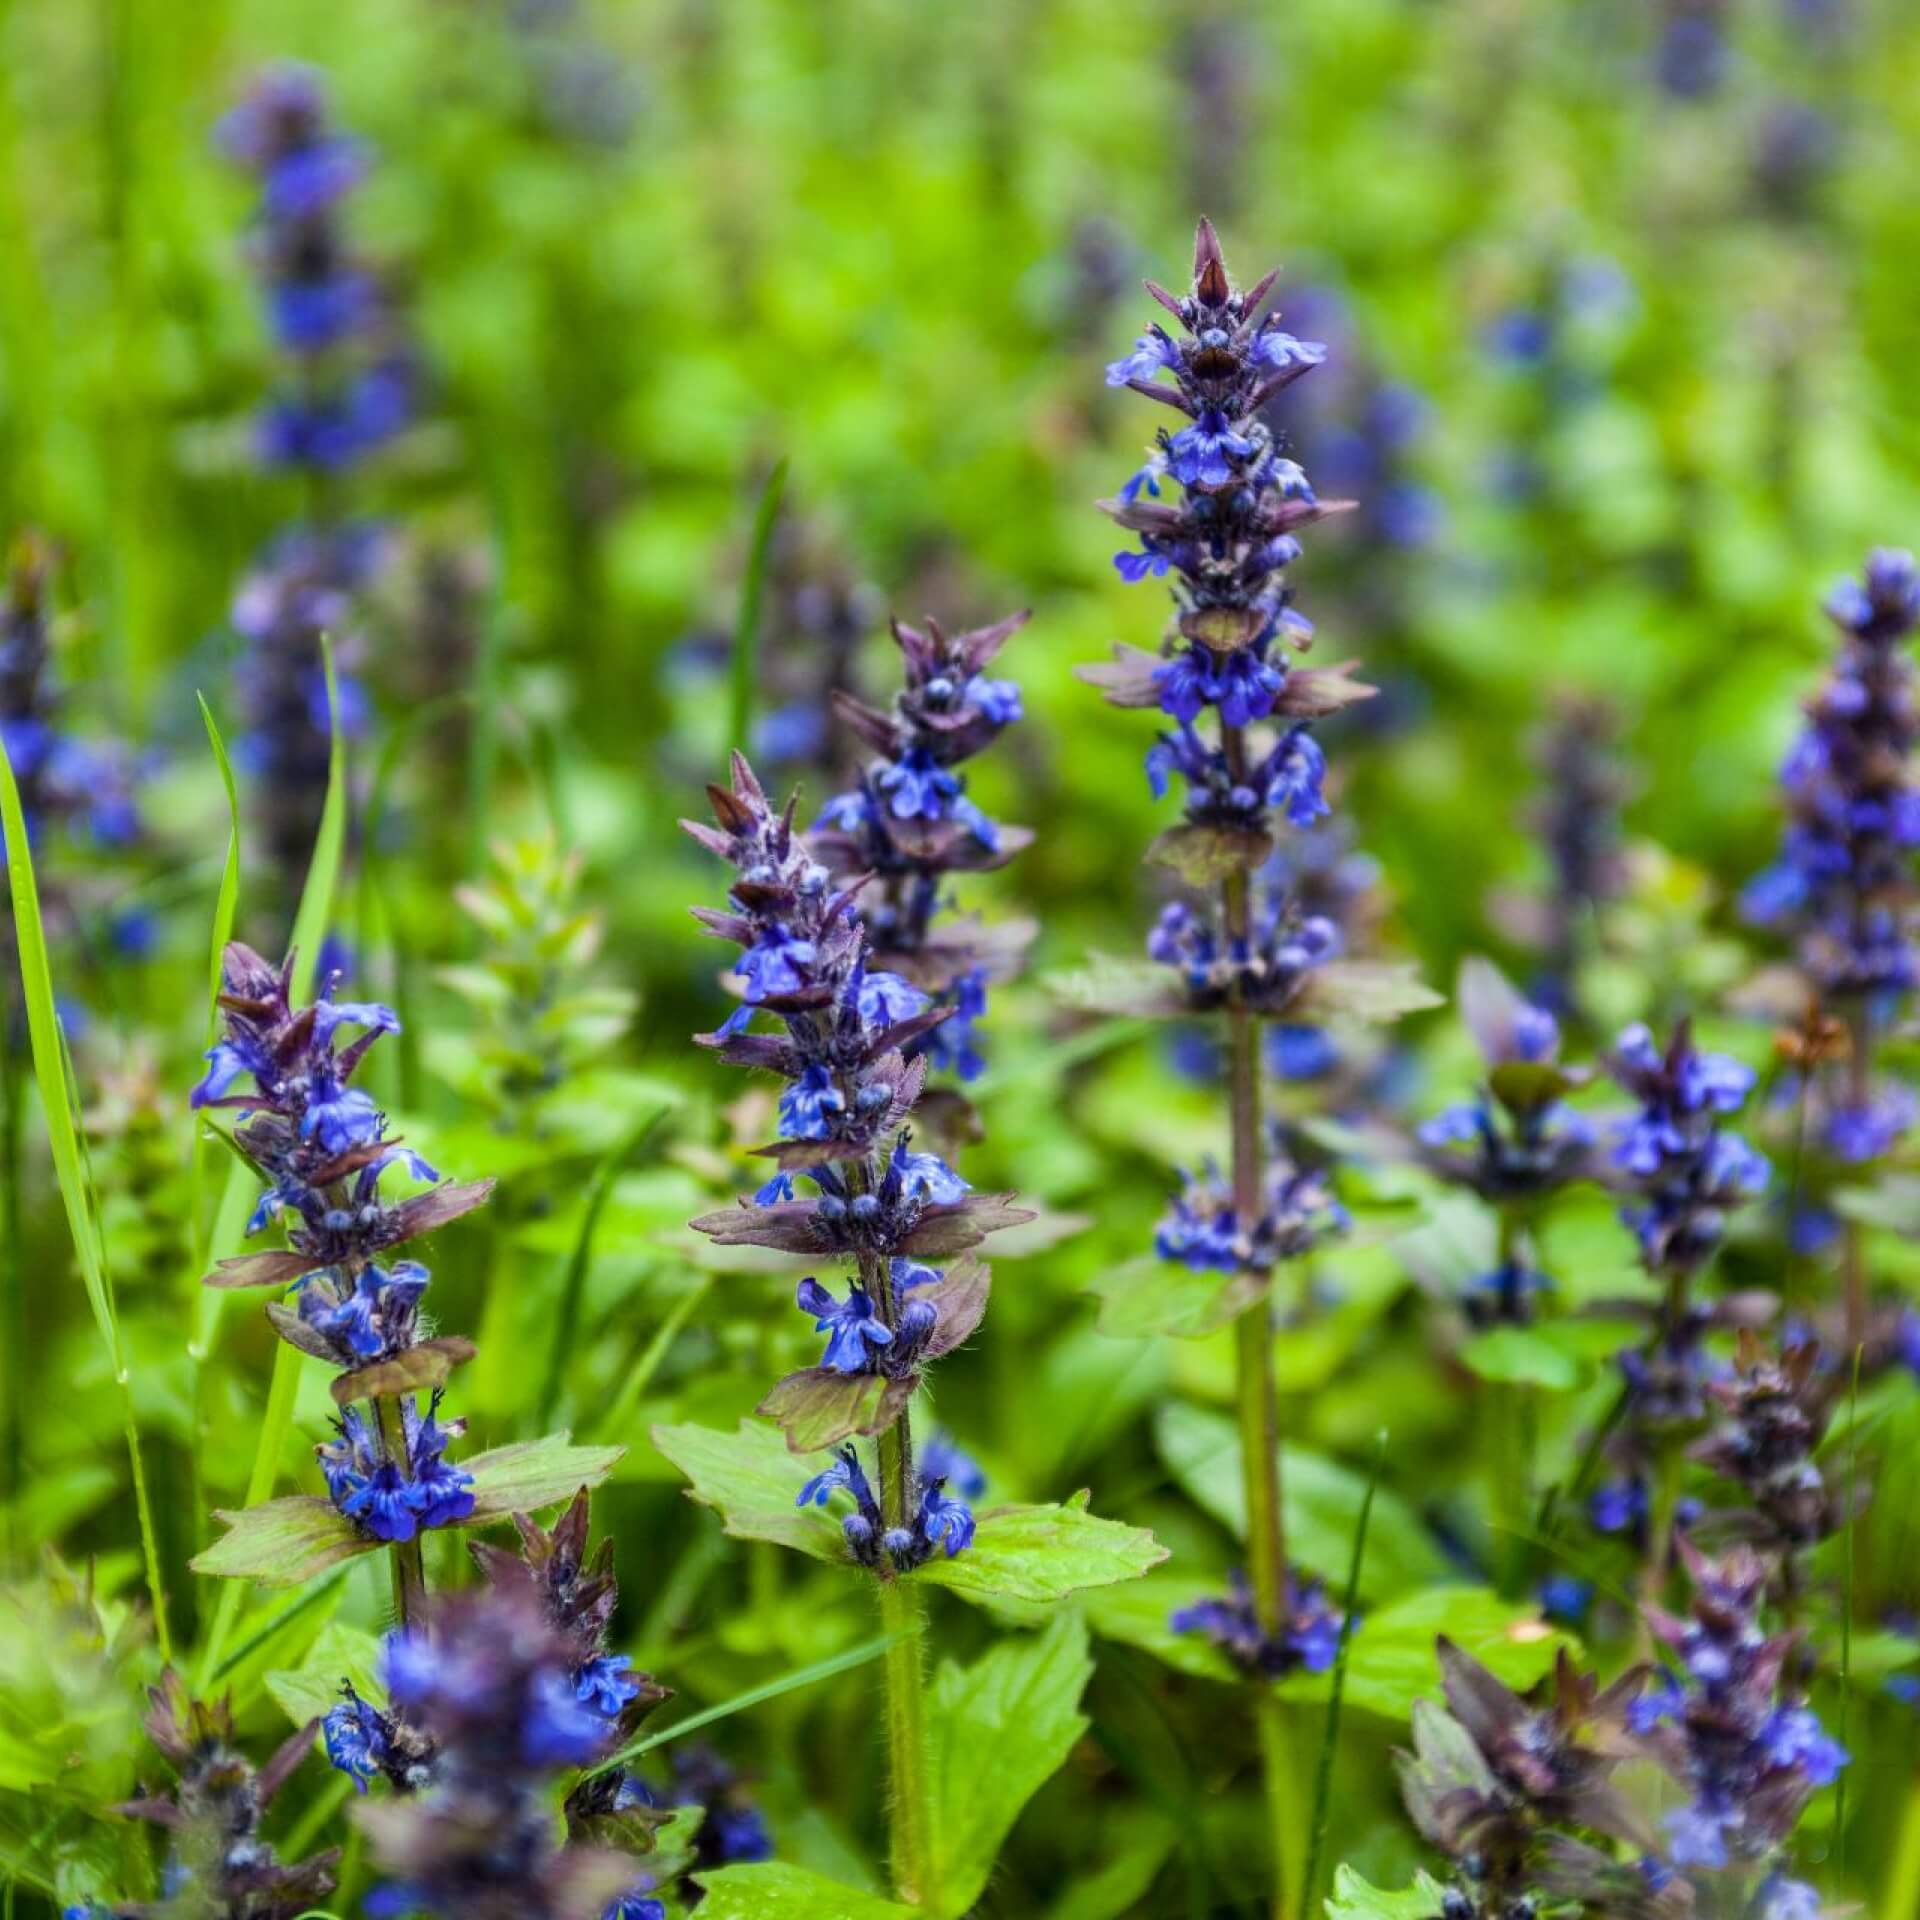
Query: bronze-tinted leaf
x,y
1222,629
297,1333
428,1212
819,1408
276,1269
959,1297
953,1229
1313,692
1128,680
788,1227
1205,855
426,1365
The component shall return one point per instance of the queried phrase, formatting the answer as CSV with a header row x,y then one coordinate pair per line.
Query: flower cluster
x,y
1516,1141
321,1144
1202,1228
938,1519
1843,882
352,374
218,1862
1728,1726
1673,1152
1224,546
492,1688
305,584
1775,1413
849,1029
62,780
1265,968
1307,1641
908,822
1508,1790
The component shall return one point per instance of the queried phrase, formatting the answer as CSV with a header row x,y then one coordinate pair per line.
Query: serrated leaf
x,y
1322,1501
428,1364
997,1732
1043,1554
817,1408
282,1542
1378,990
1391,1662
1144,1297
775,1891
752,1481
1355,1899
1522,1357
1109,985
532,1474
341,1652
1203,856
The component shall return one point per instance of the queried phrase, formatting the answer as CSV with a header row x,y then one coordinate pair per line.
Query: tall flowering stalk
x,y
1215,508
322,1146
1843,884
348,383
909,823
851,1056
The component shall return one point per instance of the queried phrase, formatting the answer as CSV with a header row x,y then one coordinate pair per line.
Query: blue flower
x,y
925,1176
810,1104
917,788
1153,353
944,1520
605,1684
1294,773
356,1739
1280,351
1208,454
1134,567
638,1905
942,1458
775,964
852,1327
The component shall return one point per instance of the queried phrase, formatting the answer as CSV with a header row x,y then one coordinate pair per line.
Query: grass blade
x,y
59,1108
309,929
746,626
754,1696
1323,1774
566,1321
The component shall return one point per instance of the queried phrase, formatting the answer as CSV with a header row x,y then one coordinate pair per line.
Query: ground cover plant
x,y
871,1045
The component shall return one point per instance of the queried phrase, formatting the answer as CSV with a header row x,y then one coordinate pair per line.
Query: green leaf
x,y
1322,1500
997,1732
340,1653
1523,1357
746,626
282,1542
1044,1553
774,1891
1145,1297
1392,1661
1353,1899
751,1479
532,1474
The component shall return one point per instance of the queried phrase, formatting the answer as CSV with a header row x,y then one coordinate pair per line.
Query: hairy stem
x,y
1257,1394
404,1556
910,1814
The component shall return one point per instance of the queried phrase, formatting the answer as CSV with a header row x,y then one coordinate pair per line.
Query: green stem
x,y
903,1618
13,1326
1853,1248
1282,1784
409,1568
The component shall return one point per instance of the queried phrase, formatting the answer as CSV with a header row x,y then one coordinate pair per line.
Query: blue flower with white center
x,y
340,1117
811,1106
917,788
356,1740
925,1176
854,1330
606,1684
1153,353
1208,454
884,999
1294,773
1280,351
776,964
384,1504
1783,1899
